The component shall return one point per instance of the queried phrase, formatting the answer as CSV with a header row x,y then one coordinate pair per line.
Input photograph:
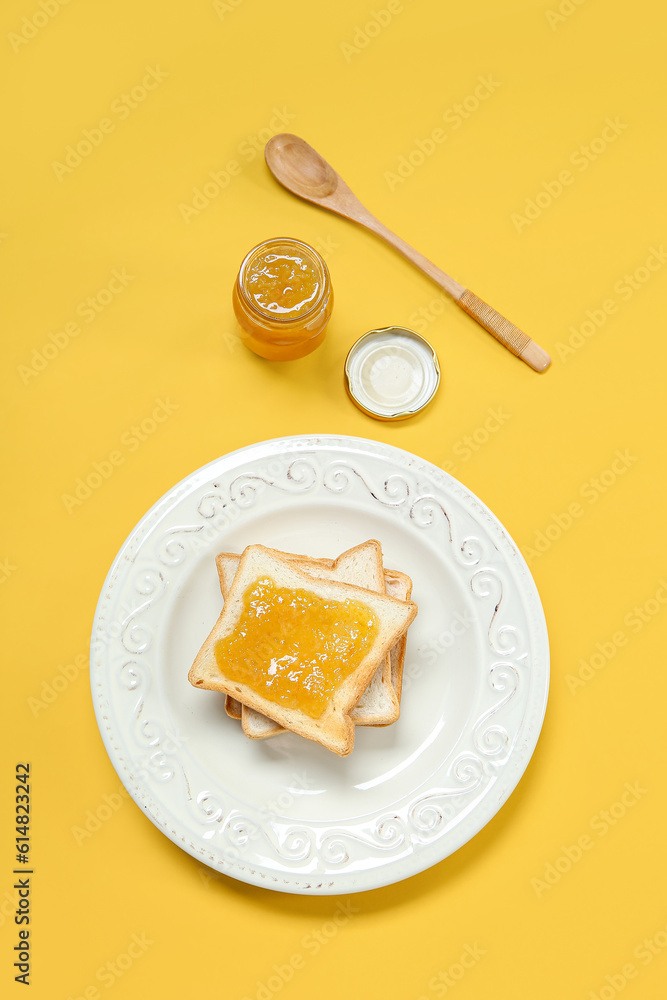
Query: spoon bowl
x,y
299,167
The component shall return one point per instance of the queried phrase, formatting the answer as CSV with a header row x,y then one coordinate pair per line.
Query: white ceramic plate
x,y
285,813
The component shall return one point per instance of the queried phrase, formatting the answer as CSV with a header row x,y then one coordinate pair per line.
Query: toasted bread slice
x,y
255,726
361,565
334,728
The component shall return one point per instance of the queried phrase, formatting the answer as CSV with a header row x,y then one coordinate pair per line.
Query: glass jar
x,y
283,299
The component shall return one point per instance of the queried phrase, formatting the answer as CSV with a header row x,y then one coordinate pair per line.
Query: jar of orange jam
x,y
283,299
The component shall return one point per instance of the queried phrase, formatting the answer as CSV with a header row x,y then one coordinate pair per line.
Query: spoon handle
x,y
509,335
514,339
452,287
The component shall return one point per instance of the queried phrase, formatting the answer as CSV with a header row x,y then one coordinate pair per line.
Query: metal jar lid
x,y
392,373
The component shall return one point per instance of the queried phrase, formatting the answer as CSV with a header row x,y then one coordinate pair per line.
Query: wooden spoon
x,y
302,171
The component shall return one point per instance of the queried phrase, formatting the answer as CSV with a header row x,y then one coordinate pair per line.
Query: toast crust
x,y
398,585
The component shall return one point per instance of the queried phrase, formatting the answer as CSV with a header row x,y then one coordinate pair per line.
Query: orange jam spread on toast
x,y
295,648
282,284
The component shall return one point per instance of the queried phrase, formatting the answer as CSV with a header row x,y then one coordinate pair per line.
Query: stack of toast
x,y
366,693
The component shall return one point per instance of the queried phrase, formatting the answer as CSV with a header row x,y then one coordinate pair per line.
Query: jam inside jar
x,y
283,299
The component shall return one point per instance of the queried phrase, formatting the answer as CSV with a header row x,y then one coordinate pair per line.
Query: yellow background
x,y
363,98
